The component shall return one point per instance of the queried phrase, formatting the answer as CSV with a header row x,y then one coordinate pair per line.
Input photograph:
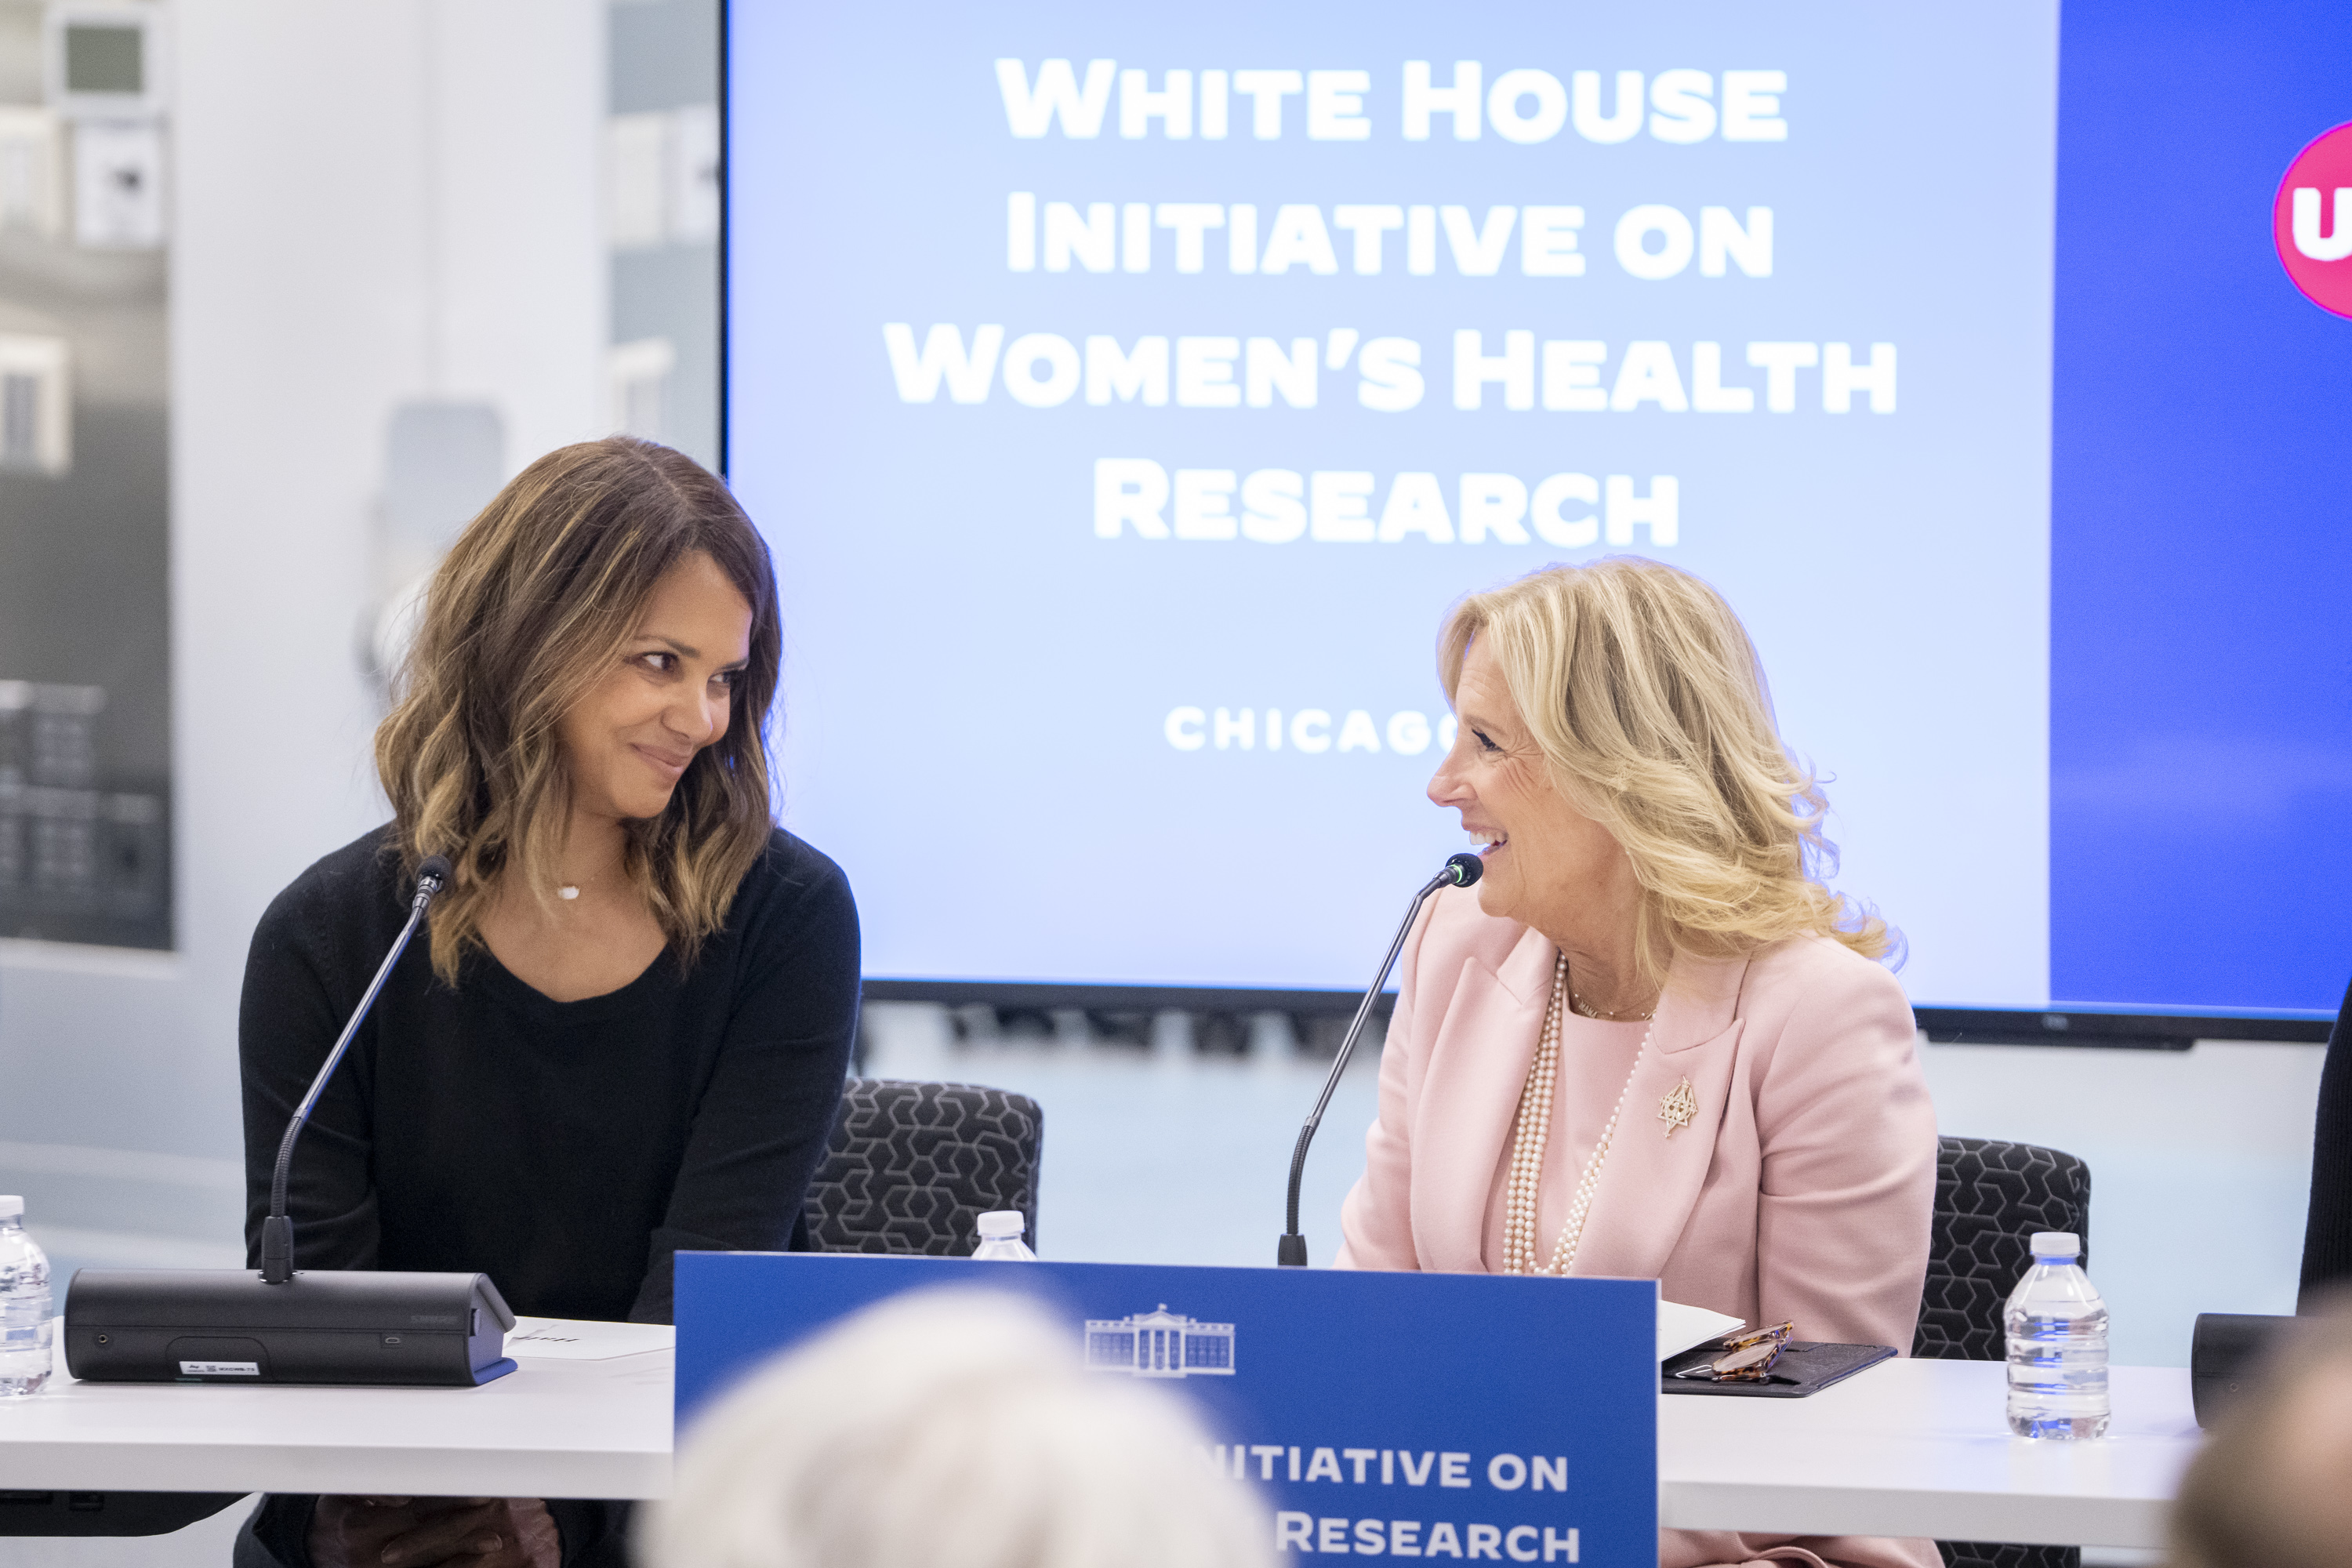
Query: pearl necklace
x,y
1533,1131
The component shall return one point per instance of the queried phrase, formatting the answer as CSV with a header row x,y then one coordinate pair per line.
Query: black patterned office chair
x,y
1990,1197
912,1166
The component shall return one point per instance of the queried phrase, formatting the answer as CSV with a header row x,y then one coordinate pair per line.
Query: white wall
x,y
2201,1168
376,201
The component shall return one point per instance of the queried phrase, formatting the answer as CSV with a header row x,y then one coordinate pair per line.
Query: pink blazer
x,y
1801,1188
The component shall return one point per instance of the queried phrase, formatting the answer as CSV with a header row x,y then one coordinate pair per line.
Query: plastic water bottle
x,y
1000,1237
2057,1330
24,1305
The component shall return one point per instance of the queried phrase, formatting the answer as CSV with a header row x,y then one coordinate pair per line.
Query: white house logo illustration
x,y
1160,1344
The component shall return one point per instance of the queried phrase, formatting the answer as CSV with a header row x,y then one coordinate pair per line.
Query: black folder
x,y
1804,1369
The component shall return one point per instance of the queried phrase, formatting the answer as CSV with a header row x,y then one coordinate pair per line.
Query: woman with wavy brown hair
x,y
629,1033
1649,1042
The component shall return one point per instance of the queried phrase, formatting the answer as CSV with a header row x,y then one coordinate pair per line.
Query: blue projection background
x,y
1126,397
2201,647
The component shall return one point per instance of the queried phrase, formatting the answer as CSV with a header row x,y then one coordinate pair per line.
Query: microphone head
x,y
433,873
1466,868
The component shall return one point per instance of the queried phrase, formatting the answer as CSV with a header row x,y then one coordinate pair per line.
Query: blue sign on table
x,y
1454,1416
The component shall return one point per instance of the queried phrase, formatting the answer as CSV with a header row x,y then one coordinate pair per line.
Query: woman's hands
x,y
427,1532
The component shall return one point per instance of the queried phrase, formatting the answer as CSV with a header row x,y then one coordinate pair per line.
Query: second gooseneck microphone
x,y
1460,871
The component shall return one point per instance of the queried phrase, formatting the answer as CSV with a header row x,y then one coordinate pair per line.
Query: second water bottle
x,y
2057,1330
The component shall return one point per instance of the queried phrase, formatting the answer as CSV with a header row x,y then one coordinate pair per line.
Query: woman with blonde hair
x,y
1649,1042
629,1033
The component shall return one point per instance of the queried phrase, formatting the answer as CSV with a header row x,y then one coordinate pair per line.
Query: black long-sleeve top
x,y
568,1150
565,1149
2327,1232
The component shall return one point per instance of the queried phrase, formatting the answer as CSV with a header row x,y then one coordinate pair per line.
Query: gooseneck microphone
x,y
1460,871
356,1326
278,1230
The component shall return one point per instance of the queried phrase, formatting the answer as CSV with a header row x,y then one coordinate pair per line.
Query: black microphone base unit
x,y
2226,1353
358,1327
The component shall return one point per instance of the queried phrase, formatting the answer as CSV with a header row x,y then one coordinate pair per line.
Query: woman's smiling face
x,y
1539,849
629,739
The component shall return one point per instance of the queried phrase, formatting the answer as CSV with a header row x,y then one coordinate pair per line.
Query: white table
x,y
1904,1448
1919,1447
549,1428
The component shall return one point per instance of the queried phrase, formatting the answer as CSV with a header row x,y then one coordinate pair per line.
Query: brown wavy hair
x,y
1645,693
533,606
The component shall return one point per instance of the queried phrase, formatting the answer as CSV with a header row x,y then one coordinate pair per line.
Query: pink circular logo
x,y
2312,221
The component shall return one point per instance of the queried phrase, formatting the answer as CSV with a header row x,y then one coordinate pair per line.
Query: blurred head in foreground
x,y
951,1428
2273,1488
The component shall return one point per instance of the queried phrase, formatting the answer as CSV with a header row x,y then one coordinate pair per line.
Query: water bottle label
x,y
31,1337
29,1306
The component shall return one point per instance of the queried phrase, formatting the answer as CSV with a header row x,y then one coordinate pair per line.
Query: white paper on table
x,y
576,1339
1681,1327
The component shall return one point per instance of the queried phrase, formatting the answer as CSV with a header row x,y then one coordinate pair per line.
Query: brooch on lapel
x,y
1677,1109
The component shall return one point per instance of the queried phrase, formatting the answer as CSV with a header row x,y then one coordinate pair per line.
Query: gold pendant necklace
x,y
1603,1015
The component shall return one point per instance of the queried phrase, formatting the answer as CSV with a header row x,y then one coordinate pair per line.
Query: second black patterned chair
x,y
1990,1197
912,1166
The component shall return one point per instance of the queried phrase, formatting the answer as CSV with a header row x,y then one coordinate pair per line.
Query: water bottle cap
x,y
2056,1244
10,1206
1003,1225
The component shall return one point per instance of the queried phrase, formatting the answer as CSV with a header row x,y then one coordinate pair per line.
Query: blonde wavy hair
x,y
1643,692
533,606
